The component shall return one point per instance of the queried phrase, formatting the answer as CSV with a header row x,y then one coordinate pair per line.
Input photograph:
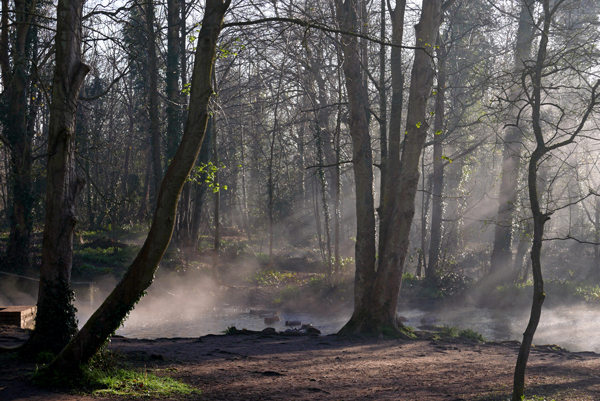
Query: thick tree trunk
x,y
501,253
138,278
55,321
400,216
362,157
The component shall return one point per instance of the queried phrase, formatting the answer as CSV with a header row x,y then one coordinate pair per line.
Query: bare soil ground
x,y
278,367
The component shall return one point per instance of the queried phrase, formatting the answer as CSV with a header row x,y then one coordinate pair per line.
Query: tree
x,y
18,115
55,320
140,274
377,287
549,136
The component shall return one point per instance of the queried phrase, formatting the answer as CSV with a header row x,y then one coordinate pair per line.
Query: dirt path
x,y
276,367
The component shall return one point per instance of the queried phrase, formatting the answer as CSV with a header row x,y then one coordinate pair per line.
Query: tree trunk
x,y
511,155
537,72
363,162
172,78
55,321
375,308
153,98
437,204
217,199
198,199
383,140
596,269
390,161
16,122
138,278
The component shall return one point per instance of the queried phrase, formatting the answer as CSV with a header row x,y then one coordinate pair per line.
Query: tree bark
x,y
55,321
138,278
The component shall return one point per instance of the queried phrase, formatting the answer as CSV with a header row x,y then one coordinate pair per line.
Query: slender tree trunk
x,y
383,140
16,123
153,98
4,45
217,199
138,278
338,182
55,321
437,204
198,199
143,210
173,109
244,205
511,155
537,93
597,237
391,161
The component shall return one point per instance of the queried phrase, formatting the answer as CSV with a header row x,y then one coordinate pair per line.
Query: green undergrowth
x,y
557,292
90,263
311,291
109,374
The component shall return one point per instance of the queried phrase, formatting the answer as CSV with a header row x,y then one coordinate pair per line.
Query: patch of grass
x,y
94,262
137,383
409,331
107,375
449,331
273,277
470,334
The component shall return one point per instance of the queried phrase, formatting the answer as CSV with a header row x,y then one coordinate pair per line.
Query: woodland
x,y
449,144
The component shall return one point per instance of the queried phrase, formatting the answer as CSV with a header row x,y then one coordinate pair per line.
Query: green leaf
x,y
418,125
438,132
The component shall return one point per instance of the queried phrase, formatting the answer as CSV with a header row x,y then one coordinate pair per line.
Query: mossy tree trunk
x,y
140,275
55,321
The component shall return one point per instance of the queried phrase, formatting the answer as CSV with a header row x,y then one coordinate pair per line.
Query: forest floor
x,y
278,367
